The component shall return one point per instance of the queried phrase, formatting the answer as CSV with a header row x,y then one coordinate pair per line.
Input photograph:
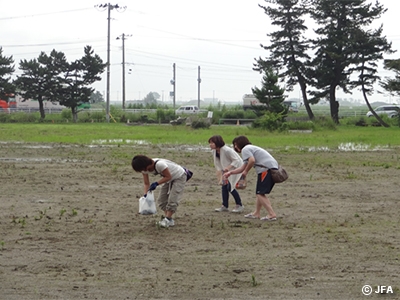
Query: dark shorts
x,y
264,183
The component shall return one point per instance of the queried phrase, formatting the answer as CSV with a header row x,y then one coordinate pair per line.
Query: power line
x,y
44,14
51,44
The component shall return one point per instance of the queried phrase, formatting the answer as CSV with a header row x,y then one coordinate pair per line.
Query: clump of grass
x,y
62,212
351,175
222,225
253,280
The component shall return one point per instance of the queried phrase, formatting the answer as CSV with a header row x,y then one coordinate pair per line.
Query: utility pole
x,y
198,88
122,37
173,85
109,8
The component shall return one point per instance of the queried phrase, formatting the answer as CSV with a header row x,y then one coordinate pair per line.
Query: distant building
x,y
30,103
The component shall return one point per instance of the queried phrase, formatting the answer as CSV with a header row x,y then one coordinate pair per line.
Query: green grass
x,y
116,133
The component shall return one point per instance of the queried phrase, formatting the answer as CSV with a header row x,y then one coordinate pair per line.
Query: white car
x,y
390,110
187,109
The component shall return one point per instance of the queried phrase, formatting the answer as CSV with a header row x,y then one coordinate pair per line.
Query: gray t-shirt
x,y
263,160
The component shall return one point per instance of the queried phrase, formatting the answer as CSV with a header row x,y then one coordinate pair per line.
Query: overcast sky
x,y
222,37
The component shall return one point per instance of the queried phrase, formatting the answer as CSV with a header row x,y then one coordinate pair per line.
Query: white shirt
x,y
174,169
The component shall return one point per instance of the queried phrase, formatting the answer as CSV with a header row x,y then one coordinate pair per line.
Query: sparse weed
x,y
253,280
351,175
41,215
62,212
22,221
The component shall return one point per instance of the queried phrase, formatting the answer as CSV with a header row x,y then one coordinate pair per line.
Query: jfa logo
x,y
381,289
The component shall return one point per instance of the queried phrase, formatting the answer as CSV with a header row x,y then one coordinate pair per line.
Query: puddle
x,y
121,141
345,147
189,148
354,147
39,159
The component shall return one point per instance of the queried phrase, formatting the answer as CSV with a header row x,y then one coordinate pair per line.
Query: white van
x,y
390,110
187,109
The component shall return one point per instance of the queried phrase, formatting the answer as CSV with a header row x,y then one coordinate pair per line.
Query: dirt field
x,y
69,228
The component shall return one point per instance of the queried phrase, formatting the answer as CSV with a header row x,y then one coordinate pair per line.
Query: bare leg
x,y
263,201
168,213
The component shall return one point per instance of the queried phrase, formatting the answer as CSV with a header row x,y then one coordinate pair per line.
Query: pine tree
x,y
270,94
6,70
288,47
337,45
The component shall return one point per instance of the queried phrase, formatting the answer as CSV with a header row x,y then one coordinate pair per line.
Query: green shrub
x,y
98,116
250,114
233,114
298,125
201,123
85,117
325,122
269,121
66,114
4,118
397,120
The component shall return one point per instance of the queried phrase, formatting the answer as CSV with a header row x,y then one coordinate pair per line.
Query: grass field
x,y
95,133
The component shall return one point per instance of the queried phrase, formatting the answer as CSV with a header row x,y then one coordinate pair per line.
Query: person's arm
x,y
166,176
236,171
146,183
233,158
244,169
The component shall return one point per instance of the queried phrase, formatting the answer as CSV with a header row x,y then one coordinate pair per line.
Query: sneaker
x,y
166,223
221,209
238,209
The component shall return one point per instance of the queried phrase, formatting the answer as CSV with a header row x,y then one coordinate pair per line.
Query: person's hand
x,y
227,174
153,186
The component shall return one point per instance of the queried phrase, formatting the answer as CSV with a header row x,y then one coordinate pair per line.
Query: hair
x,y
240,142
141,162
217,140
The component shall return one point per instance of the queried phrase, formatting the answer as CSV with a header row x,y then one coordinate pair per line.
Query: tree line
x,y
342,54
52,78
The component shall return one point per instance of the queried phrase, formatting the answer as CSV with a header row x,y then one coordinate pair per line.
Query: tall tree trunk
x,y
334,105
74,114
41,108
305,100
383,123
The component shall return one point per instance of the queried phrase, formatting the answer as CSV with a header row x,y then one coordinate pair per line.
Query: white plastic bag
x,y
147,205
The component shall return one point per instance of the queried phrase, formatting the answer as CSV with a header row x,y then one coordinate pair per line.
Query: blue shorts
x,y
264,183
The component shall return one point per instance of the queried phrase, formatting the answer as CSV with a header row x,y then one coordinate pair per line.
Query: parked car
x,y
187,109
390,110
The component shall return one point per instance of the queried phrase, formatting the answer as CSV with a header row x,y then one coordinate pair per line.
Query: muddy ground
x,y
69,228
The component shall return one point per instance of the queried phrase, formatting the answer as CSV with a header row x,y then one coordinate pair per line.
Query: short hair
x,y
217,140
241,141
141,162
